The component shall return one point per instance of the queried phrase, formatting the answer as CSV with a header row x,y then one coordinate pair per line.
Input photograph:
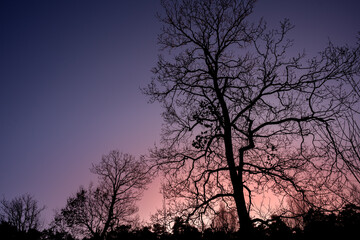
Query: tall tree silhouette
x,y
99,209
241,117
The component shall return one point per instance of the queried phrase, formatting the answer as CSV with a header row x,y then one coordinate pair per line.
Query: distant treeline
x,y
315,225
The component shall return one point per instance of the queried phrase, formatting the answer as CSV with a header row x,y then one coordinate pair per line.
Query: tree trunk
x,y
244,218
238,188
235,173
109,216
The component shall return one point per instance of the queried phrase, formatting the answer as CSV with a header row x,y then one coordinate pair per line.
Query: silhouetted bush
x,y
184,231
10,232
344,224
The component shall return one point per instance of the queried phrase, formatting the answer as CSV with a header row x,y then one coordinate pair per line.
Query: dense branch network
x,y
100,209
243,118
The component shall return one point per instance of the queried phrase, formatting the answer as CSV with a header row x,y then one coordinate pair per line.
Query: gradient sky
x,y
70,73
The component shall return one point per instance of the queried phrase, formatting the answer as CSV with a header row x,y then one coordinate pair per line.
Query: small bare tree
x,y
97,210
22,212
225,220
242,118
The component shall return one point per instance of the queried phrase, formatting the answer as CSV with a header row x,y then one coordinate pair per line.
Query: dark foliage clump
x,y
316,225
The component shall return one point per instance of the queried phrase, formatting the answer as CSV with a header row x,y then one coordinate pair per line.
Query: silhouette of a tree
x,y
22,213
225,220
349,220
242,117
97,210
277,229
183,230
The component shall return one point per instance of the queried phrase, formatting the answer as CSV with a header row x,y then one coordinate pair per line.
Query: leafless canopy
x,y
242,118
22,212
99,209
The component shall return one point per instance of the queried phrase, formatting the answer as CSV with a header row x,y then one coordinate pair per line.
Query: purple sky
x,y
70,73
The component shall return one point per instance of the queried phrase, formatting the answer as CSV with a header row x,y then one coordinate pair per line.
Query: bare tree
x,y
22,212
242,118
349,137
97,210
225,220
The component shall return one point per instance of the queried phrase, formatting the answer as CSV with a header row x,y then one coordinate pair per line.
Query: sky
x,y
70,78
